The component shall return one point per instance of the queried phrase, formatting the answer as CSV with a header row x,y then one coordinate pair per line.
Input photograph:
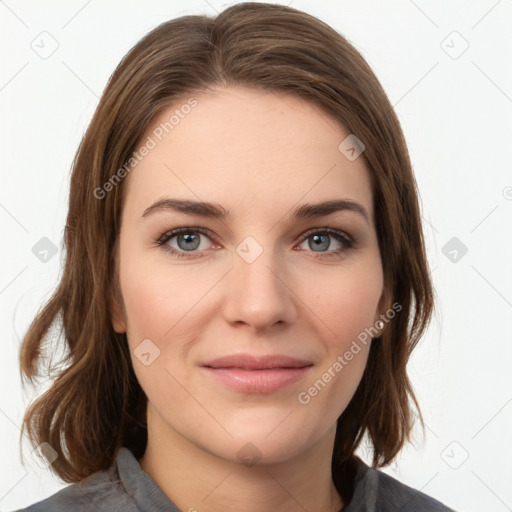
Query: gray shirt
x,y
125,487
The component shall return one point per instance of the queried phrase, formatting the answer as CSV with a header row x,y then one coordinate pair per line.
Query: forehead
x,y
246,149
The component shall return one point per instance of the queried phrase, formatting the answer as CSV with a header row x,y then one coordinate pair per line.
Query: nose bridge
x,y
257,294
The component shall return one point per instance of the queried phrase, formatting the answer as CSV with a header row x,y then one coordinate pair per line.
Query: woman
x,y
245,279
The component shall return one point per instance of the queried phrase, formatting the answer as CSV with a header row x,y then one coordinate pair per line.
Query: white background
x,y
456,115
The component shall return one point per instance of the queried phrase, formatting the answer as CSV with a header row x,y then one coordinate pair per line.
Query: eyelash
x,y
341,237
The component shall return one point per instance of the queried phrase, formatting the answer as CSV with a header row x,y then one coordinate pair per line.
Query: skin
x,y
259,155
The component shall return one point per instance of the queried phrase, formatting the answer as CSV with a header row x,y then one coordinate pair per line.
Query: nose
x,y
258,293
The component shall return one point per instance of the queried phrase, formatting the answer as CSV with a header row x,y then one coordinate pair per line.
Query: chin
x,y
265,441
250,451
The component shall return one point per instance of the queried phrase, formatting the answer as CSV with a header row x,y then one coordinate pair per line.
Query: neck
x,y
196,479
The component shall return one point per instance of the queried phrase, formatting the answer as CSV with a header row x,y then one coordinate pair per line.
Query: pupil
x,y
189,239
318,241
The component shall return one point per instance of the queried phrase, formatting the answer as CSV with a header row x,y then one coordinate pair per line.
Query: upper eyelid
x,y
171,233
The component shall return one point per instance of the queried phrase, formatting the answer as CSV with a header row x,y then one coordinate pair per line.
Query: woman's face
x,y
257,280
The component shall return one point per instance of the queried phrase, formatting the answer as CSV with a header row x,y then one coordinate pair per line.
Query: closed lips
x,y
252,363
245,373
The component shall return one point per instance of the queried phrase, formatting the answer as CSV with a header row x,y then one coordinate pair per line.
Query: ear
x,y
384,305
116,308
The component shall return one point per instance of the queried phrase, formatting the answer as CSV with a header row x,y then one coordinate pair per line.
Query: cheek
x,y
346,312
156,308
346,302
157,297
352,311
145,303
344,316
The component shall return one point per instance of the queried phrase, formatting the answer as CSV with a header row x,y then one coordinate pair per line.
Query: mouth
x,y
250,374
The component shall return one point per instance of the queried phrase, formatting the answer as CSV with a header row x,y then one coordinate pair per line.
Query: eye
x,y
187,240
322,239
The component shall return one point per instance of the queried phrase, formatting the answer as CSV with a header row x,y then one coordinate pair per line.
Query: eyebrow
x,y
216,211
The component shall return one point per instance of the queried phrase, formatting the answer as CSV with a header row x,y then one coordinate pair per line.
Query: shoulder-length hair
x,y
95,404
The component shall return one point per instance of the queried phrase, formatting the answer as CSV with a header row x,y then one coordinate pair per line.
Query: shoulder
x,y
393,493
100,492
382,493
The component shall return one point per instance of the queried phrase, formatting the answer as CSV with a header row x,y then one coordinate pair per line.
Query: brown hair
x,y
95,404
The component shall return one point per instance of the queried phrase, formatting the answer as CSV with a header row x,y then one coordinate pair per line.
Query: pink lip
x,y
249,374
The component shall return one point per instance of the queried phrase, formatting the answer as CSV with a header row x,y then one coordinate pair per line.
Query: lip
x,y
249,374
250,362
